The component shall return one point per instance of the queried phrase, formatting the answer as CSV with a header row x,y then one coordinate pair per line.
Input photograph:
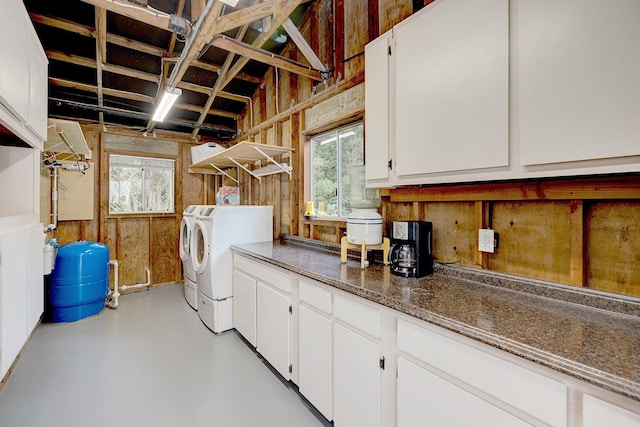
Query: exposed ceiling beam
x,y
302,44
140,115
129,43
197,7
134,96
170,49
266,57
110,68
207,90
147,15
284,8
101,53
63,24
200,36
244,16
217,87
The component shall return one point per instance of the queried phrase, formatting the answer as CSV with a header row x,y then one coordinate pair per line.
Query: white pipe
x,y
139,285
54,201
112,298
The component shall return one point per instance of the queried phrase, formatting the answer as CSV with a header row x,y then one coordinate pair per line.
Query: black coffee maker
x,y
410,254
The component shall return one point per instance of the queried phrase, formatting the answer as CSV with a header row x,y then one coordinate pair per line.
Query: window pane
x,y
140,184
325,174
333,154
351,154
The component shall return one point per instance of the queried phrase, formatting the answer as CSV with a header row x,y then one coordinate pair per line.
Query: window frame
x,y
175,163
309,165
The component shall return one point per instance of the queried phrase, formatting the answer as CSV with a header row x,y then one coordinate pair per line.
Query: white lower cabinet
x,y
341,343
315,348
273,328
356,379
244,305
357,364
426,399
598,413
513,387
262,310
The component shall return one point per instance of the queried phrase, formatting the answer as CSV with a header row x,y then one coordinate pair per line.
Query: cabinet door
x,y
577,69
377,108
597,413
452,87
314,359
13,295
273,328
38,86
426,399
35,276
14,51
244,306
356,379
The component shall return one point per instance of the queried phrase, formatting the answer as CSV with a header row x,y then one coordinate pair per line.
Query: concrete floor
x,y
151,362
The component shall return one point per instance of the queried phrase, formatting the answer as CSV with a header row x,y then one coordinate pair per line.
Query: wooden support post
x,y
374,20
577,264
340,37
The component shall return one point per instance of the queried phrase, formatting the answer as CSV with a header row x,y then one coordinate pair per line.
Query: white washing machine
x,y
186,233
215,230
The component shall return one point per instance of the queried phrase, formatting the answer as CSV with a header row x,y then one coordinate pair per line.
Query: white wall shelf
x,y
66,140
241,154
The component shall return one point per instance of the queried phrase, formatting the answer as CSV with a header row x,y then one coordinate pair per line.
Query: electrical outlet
x,y
486,240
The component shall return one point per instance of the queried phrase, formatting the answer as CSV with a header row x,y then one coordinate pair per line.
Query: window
x,y
332,155
140,184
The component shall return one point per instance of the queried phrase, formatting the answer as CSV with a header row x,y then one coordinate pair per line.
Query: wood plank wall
x,y
140,240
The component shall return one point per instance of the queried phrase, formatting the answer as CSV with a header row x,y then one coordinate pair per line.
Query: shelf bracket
x,y
271,159
224,173
243,168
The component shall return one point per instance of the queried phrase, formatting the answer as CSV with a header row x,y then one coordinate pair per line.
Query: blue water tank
x,y
79,282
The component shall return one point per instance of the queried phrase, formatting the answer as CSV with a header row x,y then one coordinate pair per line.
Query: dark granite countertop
x,y
590,335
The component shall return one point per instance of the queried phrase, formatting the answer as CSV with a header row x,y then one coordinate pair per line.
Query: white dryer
x,y
186,233
215,230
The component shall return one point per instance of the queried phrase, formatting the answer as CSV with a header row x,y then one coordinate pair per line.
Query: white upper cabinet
x,y
377,123
38,88
452,81
14,66
23,75
577,72
504,89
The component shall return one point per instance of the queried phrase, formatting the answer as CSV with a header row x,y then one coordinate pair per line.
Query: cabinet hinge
x,y
390,164
389,49
290,369
290,310
382,363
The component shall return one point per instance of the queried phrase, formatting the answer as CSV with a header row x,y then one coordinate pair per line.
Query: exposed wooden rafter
x,y
101,54
147,15
133,96
302,44
128,43
266,57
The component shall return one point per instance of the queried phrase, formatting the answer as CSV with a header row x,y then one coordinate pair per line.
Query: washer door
x,y
200,254
185,239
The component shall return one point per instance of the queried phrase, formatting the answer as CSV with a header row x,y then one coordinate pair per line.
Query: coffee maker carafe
x,y
410,254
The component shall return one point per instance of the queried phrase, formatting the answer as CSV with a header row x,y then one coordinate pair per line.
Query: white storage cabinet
x,y
315,348
244,303
357,362
492,386
272,319
23,75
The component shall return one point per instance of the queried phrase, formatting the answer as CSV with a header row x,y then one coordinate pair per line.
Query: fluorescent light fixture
x,y
168,99
232,3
